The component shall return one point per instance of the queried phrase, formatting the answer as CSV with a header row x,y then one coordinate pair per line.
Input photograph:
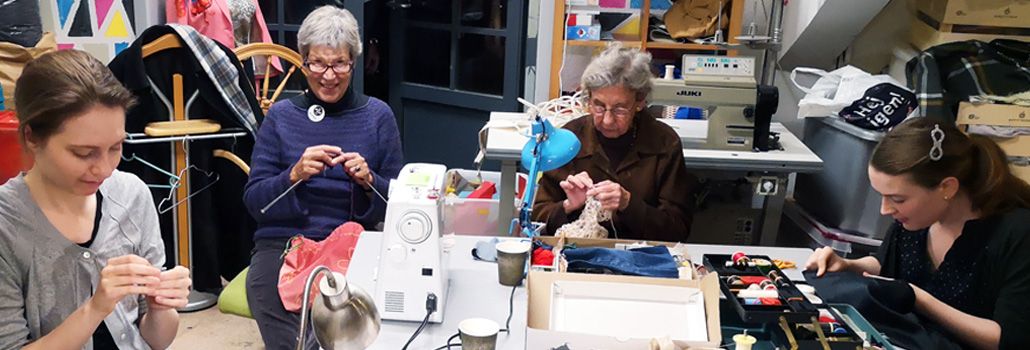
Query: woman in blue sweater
x,y
342,146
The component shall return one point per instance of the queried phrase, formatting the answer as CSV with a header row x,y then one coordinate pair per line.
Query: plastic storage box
x,y
477,217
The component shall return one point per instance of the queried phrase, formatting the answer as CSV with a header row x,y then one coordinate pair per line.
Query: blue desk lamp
x,y
548,148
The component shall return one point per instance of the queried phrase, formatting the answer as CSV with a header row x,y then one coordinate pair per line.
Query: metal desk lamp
x,y
548,148
344,317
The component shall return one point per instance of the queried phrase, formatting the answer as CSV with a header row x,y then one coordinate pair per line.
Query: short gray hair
x,y
618,65
330,26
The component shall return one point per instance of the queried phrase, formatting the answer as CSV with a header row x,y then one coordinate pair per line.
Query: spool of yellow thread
x,y
744,341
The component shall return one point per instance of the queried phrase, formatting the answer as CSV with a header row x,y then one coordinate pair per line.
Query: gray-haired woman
x,y
632,163
342,145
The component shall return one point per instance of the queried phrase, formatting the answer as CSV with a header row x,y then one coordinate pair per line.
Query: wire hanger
x,y
161,209
173,180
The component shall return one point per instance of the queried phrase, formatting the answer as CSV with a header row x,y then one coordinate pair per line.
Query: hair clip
x,y
937,135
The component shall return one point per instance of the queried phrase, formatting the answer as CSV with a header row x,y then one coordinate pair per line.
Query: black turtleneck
x,y
617,148
350,100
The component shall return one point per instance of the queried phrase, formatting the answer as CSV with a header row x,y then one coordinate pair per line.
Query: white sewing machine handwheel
x,y
414,227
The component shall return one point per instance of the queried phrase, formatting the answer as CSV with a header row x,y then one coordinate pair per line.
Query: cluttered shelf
x,y
681,46
602,43
649,45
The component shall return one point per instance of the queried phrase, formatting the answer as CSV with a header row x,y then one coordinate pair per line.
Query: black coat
x,y
222,231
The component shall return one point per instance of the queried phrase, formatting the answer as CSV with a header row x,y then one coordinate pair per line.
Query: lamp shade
x,y
343,316
557,148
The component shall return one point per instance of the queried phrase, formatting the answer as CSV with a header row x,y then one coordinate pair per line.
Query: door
x,y
452,62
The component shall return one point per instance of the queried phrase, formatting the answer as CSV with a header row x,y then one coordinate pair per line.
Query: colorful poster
x,y
101,27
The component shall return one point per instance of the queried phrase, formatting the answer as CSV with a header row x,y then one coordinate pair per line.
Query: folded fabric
x,y
999,131
648,261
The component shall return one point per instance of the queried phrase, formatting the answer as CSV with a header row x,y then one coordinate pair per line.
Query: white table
x,y
505,144
475,292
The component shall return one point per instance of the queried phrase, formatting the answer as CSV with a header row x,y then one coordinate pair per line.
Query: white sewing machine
x,y
412,259
739,110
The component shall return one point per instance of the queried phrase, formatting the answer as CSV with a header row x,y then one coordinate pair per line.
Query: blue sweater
x,y
356,124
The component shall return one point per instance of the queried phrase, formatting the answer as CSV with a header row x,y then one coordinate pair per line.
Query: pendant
x,y
316,113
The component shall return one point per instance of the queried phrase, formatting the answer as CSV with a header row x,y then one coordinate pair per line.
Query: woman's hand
x,y
611,195
314,160
575,187
123,276
355,166
173,290
825,260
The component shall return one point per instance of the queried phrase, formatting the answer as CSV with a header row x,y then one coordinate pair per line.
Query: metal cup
x,y
478,334
511,262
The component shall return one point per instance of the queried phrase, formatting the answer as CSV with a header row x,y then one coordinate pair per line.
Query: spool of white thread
x,y
669,72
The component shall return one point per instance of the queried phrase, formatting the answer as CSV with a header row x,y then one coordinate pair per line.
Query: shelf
x,y
681,46
601,43
558,41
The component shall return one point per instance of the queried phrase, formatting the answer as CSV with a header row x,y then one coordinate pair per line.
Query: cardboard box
x,y
997,13
539,333
927,33
1001,115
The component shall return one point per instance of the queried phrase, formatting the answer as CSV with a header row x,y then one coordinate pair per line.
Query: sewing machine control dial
x,y
414,227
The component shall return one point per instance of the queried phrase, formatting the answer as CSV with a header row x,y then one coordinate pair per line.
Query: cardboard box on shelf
x,y
927,32
553,319
1000,115
997,13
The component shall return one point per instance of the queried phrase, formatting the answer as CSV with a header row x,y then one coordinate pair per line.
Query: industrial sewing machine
x,y
739,110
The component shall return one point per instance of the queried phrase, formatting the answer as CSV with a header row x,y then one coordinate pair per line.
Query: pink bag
x,y
303,255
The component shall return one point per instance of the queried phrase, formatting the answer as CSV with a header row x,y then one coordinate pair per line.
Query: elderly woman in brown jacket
x,y
632,163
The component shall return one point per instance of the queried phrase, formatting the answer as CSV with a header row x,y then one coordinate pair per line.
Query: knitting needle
x,y
281,195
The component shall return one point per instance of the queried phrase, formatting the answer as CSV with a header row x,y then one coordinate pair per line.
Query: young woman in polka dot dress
x,y
961,237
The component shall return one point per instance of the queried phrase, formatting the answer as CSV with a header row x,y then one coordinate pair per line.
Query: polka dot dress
x,y
953,280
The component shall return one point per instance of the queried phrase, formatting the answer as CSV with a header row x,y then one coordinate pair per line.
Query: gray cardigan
x,y
44,277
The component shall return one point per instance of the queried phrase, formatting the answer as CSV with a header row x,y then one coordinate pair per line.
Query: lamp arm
x,y
304,308
529,195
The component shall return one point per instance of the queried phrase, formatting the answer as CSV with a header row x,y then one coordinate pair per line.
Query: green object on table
x,y
233,299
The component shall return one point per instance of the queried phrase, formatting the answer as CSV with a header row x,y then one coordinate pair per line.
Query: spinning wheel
x,y
267,51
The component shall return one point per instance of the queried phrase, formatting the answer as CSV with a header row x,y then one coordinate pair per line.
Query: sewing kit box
x,y
999,114
541,289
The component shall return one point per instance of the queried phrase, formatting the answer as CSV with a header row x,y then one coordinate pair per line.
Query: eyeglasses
x,y
600,110
321,68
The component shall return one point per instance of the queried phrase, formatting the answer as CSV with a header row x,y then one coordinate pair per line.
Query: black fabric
x,y
96,223
986,273
617,148
881,107
278,327
102,339
222,229
947,74
906,330
20,23
896,295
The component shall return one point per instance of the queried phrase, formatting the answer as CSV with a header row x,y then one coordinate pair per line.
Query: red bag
x,y
303,255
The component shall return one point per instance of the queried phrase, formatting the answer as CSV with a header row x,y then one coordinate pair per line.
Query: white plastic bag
x,y
834,90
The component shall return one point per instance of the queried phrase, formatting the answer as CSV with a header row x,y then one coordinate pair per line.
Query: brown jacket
x,y
653,171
